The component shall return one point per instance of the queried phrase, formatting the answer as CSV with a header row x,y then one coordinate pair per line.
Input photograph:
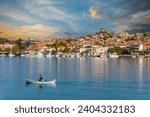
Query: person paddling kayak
x,y
40,78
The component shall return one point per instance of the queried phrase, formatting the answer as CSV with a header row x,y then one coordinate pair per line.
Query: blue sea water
x,y
77,78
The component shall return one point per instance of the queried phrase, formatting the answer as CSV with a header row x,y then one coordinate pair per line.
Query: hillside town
x,y
100,44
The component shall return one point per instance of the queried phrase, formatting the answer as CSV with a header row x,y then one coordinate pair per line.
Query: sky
x,y
46,19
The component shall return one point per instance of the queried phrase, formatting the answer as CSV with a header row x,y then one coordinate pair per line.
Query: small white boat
x,y
52,82
40,54
133,56
49,55
11,55
103,56
2,55
113,55
77,55
22,55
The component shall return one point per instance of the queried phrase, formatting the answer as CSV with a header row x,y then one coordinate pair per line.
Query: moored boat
x,y
11,55
113,55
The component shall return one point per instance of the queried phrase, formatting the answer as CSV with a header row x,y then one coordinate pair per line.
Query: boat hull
x,y
52,82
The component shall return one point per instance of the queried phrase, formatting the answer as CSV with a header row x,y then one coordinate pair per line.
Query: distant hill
x,y
4,40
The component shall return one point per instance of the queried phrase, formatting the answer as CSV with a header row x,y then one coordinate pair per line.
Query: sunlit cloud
x,y
38,31
54,17
94,13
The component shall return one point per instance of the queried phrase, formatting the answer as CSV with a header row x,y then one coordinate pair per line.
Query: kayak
x,y
52,82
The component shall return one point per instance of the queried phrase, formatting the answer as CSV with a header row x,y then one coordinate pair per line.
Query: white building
x,y
9,46
136,47
100,50
141,47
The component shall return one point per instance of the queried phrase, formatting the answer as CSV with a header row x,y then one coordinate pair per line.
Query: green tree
x,y
62,44
61,50
66,50
15,49
117,50
147,51
7,50
53,51
20,45
4,40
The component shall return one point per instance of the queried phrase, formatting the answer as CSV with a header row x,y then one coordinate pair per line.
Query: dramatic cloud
x,y
133,16
94,13
76,17
38,31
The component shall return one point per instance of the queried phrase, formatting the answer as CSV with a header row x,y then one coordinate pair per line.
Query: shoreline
x,y
73,56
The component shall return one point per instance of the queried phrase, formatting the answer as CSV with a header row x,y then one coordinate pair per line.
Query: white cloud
x,y
44,2
14,13
41,2
50,11
94,13
44,11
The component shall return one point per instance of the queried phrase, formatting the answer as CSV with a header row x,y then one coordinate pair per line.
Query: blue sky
x,y
45,19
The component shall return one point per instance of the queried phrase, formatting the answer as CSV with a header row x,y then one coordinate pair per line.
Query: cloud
x,y
84,14
69,33
13,12
48,10
37,28
44,2
41,2
38,31
128,15
135,6
94,13
138,21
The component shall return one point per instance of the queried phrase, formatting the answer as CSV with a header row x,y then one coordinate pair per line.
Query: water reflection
x,y
87,68
30,67
41,65
78,78
141,71
40,86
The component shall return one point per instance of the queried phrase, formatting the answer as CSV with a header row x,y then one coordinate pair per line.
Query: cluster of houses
x,y
88,45
100,42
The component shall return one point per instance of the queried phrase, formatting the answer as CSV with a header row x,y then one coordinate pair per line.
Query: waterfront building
x,y
135,48
100,51
8,45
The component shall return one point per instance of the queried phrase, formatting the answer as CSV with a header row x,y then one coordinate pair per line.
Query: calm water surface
x,y
77,78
